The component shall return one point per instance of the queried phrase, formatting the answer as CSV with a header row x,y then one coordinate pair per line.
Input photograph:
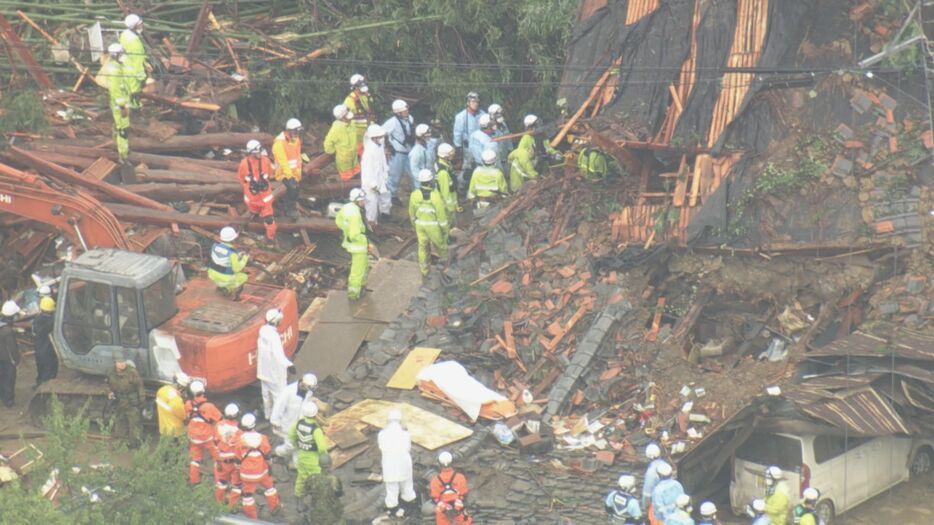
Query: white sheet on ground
x,y
466,392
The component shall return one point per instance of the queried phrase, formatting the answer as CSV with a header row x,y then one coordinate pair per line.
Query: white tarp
x,y
466,392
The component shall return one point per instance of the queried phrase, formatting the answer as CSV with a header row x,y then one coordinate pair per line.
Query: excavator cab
x,y
112,299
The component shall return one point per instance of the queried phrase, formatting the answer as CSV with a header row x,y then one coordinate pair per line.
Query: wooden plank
x,y
427,429
681,183
652,334
100,169
418,358
346,437
593,94
307,321
701,163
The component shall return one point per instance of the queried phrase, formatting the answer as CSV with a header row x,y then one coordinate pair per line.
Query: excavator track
x,y
75,390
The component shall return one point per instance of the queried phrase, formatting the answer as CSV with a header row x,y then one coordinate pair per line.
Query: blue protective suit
x,y
664,497
465,123
400,132
679,517
650,480
480,141
419,159
623,507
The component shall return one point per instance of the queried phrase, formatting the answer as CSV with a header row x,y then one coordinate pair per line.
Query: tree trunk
x,y
126,212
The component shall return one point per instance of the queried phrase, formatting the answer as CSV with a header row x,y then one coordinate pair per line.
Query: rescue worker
x,y
522,165
419,157
325,491
465,123
500,129
170,405
42,324
777,496
374,175
341,141
682,512
621,505
128,395
447,186
428,216
254,453
9,353
449,491
308,439
806,512
226,471
540,145
756,511
482,140
708,514
665,494
201,416
287,410
287,153
653,453
136,64
395,446
115,77
400,129
255,174
350,221
487,182
272,366
227,264
360,104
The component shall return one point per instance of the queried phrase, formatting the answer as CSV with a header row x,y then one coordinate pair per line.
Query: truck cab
x,y
112,299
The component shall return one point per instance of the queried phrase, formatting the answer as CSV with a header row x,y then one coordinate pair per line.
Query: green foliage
x,y
665,218
509,52
149,485
23,112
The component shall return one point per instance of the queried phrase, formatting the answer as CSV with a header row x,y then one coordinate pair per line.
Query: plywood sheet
x,y
418,358
393,284
310,317
331,345
428,430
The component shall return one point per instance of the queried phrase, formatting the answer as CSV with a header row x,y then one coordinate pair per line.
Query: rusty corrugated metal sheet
x,y
863,411
907,344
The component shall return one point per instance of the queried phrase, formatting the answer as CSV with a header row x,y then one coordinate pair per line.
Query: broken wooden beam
x,y
201,23
10,36
169,191
180,103
199,142
625,157
138,214
185,177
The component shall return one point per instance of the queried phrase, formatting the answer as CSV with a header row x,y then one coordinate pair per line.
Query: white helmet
x,y
708,509
445,458
45,291
196,387
425,175
115,49
652,451
473,95
356,79
181,379
310,409
131,21
422,130
488,156
375,130
494,110
310,380
273,315
231,411
10,308
530,120
398,106
663,469
340,111
683,501
248,421
254,146
446,151
394,415
228,234
252,439
627,482
357,194
811,495
758,505
773,473
484,121
293,125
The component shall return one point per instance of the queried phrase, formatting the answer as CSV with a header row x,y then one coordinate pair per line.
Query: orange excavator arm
x,y
74,212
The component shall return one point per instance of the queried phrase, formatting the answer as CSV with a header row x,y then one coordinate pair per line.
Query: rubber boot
x,y
271,230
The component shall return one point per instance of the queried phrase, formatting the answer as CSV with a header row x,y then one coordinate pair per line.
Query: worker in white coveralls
x,y
374,175
287,410
395,444
272,365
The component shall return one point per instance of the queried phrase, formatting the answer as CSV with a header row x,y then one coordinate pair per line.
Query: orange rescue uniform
x,y
226,467
449,491
255,175
254,472
201,416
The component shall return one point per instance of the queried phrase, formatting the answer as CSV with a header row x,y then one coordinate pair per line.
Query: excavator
x,y
113,298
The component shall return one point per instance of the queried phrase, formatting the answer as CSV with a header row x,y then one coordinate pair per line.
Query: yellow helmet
x,y
47,304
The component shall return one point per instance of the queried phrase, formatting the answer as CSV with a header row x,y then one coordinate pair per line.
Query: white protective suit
x,y
395,444
285,413
271,366
374,176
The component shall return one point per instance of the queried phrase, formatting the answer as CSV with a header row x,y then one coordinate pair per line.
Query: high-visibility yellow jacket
x,y
171,409
350,221
288,156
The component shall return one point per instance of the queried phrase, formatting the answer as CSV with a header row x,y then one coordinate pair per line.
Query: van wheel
x,y
825,511
922,463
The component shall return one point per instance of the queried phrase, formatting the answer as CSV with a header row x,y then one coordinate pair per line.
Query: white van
x,y
846,470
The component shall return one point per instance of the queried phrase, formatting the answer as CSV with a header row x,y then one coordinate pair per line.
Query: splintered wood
x,y
637,9
685,84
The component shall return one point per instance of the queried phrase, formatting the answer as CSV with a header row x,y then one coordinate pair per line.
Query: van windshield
x,y
771,449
